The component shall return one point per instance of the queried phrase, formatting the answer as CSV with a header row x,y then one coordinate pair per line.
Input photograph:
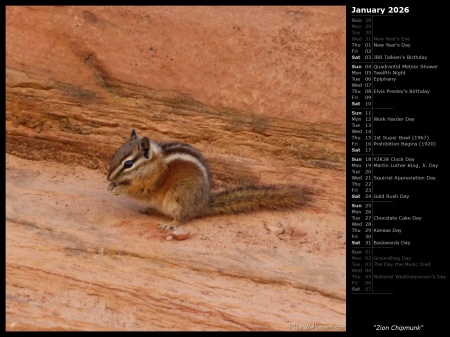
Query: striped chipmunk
x,y
173,179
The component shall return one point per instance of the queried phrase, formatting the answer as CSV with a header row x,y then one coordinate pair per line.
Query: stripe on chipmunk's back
x,y
180,151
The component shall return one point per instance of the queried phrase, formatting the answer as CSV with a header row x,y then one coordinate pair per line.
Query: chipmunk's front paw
x,y
113,187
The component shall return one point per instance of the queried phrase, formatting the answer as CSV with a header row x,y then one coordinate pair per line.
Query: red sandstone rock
x,y
181,234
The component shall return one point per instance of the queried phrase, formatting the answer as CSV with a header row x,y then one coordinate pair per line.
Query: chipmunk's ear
x,y
133,135
144,147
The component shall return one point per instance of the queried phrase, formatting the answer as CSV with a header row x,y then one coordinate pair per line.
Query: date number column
x,y
361,178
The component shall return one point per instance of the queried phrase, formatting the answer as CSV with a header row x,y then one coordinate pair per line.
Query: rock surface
x,y
259,90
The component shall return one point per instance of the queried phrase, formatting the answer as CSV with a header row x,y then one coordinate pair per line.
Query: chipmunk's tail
x,y
252,198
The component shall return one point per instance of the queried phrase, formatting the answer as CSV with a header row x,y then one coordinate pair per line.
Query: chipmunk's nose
x,y
109,178
109,175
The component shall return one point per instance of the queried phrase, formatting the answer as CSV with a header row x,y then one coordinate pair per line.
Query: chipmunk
x,y
174,179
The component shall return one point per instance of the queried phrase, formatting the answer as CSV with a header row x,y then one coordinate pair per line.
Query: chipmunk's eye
x,y
128,163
